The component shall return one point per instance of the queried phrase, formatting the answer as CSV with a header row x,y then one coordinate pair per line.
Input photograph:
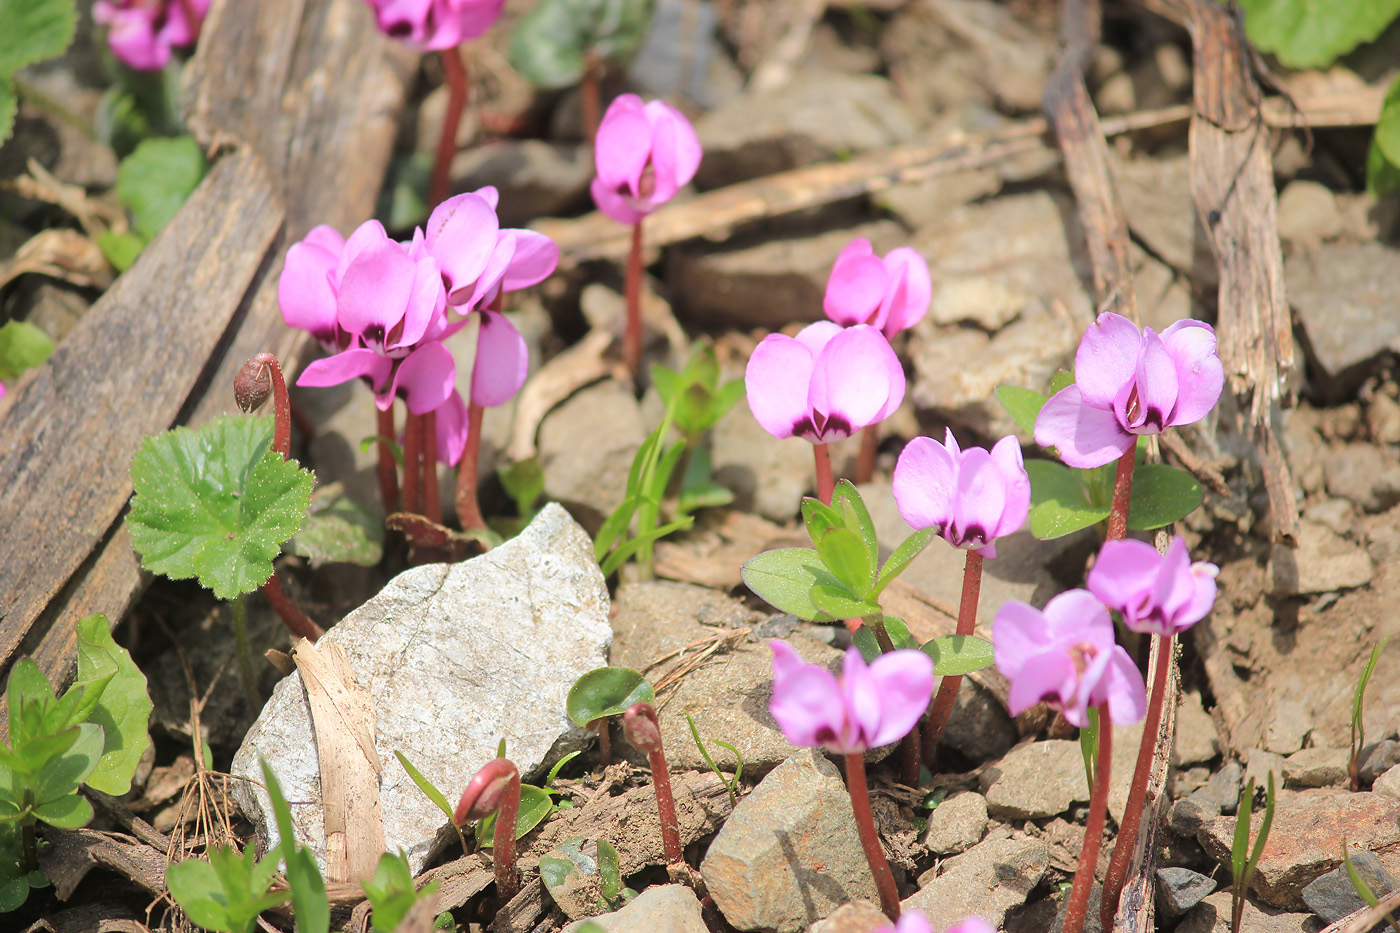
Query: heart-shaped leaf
x,y
157,178
608,691
215,504
1161,495
1059,505
955,655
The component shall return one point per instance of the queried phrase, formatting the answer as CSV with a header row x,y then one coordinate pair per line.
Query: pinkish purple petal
x,y
1124,574
1085,436
683,151
452,429
375,291
367,235
344,366
502,361
305,292
615,204
923,481
1199,372
623,144
1006,456
534,260
1020,632
910,290
807,705
855,379
1146,405
1079,615
461,235
978,501
1051,677
427,303
1122,687
903,683
426,377
776,381
1107,358
856,285
816,336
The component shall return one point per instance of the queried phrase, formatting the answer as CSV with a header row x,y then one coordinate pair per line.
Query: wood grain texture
x,y
302,99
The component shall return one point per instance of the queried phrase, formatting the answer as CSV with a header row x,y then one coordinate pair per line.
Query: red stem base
x,y
869,838
940,710
1077,907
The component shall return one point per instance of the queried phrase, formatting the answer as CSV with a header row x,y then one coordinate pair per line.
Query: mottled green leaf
x,y
123,709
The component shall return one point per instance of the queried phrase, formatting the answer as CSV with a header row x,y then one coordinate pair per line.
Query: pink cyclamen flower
x,y
434,25
971,497
825,384
1066,656
892,294
866,707
911,921
1128,383
644,154
142,33
1157,594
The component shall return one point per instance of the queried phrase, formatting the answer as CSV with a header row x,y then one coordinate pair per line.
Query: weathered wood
x,y
302,99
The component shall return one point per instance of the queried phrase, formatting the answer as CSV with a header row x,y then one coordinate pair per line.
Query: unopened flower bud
x,y
252,385
485,791
640,726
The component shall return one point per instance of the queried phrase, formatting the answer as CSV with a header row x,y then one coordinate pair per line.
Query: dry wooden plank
x,y
124,372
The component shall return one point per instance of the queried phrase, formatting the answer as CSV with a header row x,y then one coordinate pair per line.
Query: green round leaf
x,y
548,45
1161,495
71,812
864,638
1059,505
157,178
1311,34
955,655
784,577
535,805
845,554
608,691
339,530
215,504
22,346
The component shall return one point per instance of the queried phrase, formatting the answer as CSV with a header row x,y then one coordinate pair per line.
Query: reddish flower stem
x,y
503,843
643,730
431,492
495,789
455,74
826,484
1077,908
412,442
468,509
632,337
869,838
604,741
292,616
388,470
911,758
1137,791
869,446
1122,495
941,709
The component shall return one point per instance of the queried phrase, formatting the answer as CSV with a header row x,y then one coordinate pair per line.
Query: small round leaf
x,y
608,691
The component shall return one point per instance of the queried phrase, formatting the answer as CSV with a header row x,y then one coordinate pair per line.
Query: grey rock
x,y
1388,784
1180,889
1332,896
770,284
1289,727
1259,764
1344,296
728,696
1212,915
1186,781
855,917
1378,759
789,854
455,657
920,203
535,178
986,881
815,117
768,476
1363,474
984,301
1323,562
1308,213
1224,786
1336,514
1156,196
979,727
1035,780
958,368
1196,737
1189,814
659,907
956,824
586,450
1317,767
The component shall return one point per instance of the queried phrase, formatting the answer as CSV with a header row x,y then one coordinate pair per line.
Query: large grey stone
x,y
535,178
1036,780
1197,739
957,824
728,694
1180,889
586,449
985,881
1317,767
855,917
670,907
1364,474
1323,562
1346,297
789,854
455,658
1332,896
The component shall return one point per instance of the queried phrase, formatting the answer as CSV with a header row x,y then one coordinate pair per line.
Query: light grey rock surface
x,y
1197,739
789,855
1036,780
1347,298
956,824
1212,915
661,907
767,475
586,449
1180,889
985,881
1323,562
1332,895
455,658
855,917
1317,767
1388,784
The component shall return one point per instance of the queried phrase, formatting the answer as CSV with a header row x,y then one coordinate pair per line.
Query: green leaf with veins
x,y
784,577
954,655
34,30
157,178
339,530
1023,405
1059,504
607,691
216,504
122,707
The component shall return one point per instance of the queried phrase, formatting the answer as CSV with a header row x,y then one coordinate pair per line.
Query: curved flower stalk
x,y
643,729
823,385
644,153
1155,594
440,26
143,33
970,497
495,789
866,707
1066,657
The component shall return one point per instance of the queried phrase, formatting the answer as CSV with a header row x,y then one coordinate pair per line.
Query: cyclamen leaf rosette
x,y
216,504
1128,383
891,293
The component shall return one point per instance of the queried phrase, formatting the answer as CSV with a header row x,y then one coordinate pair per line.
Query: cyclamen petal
x,y
1084,436
644,154
856,285
776,381
1199,373
502,361
305,291
452,429
971,497
435,25
425,377
461,235
857,380
1107,358
910,291
1155,594
346,365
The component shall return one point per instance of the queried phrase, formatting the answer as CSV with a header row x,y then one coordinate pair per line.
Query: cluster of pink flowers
x,y
384,307
434,25
142,33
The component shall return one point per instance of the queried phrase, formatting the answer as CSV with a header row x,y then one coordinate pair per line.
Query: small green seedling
x,y
216,504
524,483
731,786
700,399
582,871
152,183
562,42
650,475
1358,729
1242,859
1089,744
432,793
1065,500
94,735
603,693
391,893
